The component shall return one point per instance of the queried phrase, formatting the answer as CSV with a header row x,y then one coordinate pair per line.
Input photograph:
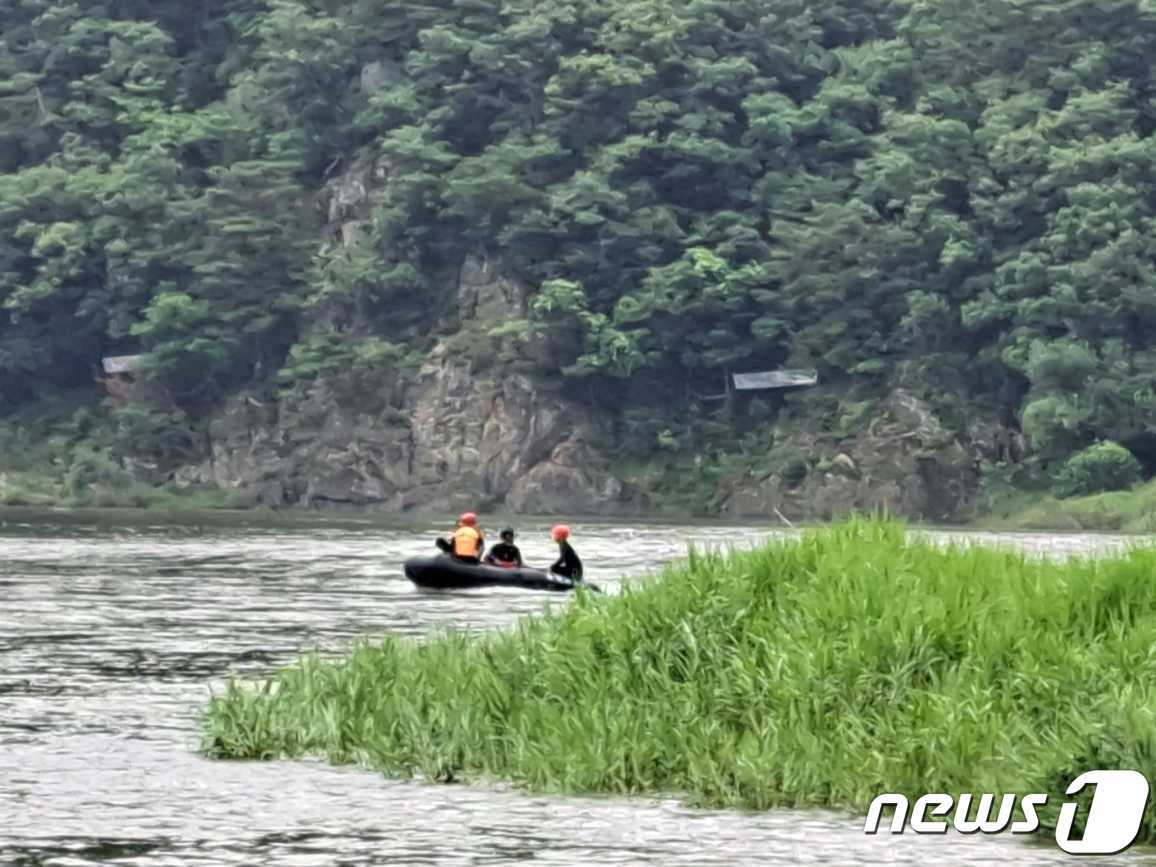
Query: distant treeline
x,y
959,194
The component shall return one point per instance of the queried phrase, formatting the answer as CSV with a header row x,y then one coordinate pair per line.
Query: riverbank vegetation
x,y
816,672
39,491
954,198
68,452
1130,511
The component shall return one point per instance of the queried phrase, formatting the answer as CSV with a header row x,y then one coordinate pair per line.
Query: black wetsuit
x,y
505,552
567,565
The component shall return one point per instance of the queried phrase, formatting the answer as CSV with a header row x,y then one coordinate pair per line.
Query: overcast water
x,y
114,627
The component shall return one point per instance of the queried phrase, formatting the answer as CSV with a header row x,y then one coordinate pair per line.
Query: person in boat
x,y
467,542
505,553
567,565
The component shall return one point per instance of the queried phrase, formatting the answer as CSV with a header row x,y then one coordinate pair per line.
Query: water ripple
x,y
113,631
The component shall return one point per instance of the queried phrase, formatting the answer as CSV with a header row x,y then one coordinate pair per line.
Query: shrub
x,y
1105,466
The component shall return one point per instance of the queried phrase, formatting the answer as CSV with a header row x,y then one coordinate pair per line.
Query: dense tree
x,y
961,191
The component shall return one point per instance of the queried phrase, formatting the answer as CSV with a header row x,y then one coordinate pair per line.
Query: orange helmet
x,y
560,532
469,519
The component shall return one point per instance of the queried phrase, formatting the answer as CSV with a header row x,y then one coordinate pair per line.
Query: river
x,y
115,626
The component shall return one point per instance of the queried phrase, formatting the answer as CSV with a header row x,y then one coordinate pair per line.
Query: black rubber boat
x,y
445,573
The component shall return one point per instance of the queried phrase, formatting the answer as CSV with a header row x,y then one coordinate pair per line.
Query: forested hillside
x,y
955,198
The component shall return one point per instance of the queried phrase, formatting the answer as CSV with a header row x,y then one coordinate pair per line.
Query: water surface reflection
x,y
113,631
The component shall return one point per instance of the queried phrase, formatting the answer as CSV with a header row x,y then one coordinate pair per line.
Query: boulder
x,y
570,482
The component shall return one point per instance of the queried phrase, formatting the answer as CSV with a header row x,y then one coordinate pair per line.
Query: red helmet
x,y
469,519
560,532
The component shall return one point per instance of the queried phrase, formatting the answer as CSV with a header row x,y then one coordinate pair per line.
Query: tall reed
x,y
819,671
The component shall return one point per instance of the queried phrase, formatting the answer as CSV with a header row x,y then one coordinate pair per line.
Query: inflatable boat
x,y
445,573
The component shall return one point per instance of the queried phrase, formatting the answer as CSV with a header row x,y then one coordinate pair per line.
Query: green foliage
x,y
493,347
125,220
1105,466
315,356
367,372
692,188
62,451
1130,511
762,679
166,438
1055,424
91,468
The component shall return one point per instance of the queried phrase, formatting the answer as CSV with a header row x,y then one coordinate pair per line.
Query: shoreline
x,y
1131,512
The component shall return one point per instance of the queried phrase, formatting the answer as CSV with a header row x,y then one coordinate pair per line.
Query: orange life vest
x,y
467,542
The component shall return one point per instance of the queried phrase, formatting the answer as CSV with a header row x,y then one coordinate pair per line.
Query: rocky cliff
x,y
461,439
903,461
470,441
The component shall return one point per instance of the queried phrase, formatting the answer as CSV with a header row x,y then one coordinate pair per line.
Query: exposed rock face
x,y
377,75
345,201
467,441
472,437
904,462
566,483
461,440
485,293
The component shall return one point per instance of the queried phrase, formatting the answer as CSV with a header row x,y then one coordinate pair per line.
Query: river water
x,y
114,627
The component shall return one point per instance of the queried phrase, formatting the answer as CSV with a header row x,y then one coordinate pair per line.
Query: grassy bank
x,y
819,672
45,491
67,451
1131,511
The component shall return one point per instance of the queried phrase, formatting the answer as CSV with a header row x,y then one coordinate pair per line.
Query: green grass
x,y
816,672
1131,511
138,496
45,491
28,489
62,452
